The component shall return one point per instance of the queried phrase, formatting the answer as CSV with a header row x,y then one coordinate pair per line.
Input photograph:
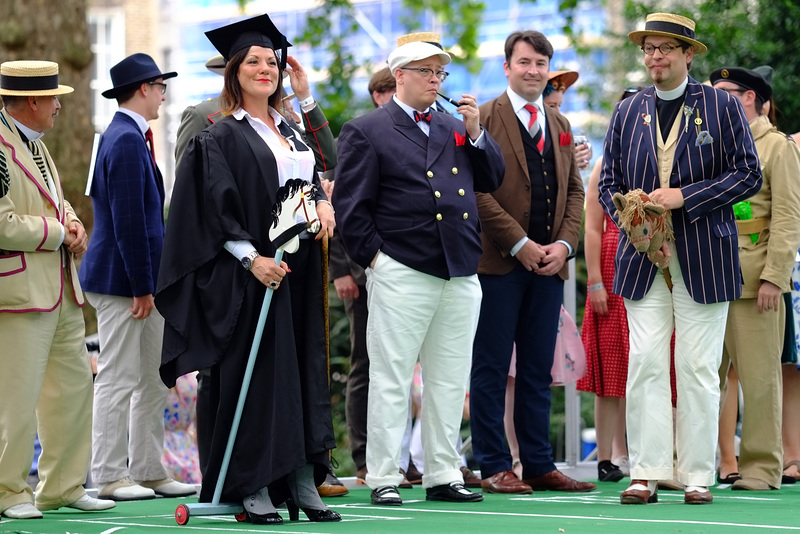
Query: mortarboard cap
x,y
256,31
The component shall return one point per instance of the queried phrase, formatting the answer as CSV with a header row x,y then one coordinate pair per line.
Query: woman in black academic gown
x,y
218,261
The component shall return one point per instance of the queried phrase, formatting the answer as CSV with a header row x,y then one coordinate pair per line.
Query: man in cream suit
x,y
45,367
689,147
530,229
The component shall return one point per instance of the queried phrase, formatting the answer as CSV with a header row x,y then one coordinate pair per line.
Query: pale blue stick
x,y
248,373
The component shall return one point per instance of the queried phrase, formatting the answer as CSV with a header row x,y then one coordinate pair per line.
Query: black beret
x,y
749,79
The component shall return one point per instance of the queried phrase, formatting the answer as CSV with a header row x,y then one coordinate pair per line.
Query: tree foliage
x,y
744,34
58,31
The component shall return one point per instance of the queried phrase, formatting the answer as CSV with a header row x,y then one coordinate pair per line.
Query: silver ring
x,y
273,285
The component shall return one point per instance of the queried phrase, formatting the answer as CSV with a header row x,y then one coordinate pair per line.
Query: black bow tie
x,y
422,116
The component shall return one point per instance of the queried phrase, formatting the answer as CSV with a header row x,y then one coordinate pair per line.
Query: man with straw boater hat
x,y
689,148
47,380
405,196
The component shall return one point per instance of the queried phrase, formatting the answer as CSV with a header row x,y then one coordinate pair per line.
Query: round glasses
x,y
427,73
664,48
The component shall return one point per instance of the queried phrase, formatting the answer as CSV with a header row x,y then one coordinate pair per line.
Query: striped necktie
x,y
533,127
37,157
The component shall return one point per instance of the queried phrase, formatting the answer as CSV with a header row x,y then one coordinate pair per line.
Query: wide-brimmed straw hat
x,y
562,79
31,78
668,25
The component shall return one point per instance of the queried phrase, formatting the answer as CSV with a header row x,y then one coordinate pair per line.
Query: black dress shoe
x,y
608,472
386,496
272,518
453,492
315,516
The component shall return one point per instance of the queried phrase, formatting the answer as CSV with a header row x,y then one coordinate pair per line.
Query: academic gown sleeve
x,y
200,285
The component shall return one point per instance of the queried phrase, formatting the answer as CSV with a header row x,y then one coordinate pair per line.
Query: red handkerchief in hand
x,y
460,139
565,139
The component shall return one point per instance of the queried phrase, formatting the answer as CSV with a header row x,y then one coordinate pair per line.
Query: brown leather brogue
x,y
505,482
698,497
557,481
639,493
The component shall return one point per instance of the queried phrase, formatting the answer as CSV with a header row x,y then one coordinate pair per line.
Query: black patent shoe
x,y
315,516
608,472
453,492
272,518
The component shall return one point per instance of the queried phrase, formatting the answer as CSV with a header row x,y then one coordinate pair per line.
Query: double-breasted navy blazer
x,y
712,177
412,196
128,199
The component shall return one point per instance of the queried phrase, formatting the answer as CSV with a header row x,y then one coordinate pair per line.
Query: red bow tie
x,y
422,116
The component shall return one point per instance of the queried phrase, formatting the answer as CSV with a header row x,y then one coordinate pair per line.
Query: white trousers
x,y
129,396
699,338
411,315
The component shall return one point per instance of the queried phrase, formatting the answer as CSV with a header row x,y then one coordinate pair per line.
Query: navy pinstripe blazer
x,y
711,177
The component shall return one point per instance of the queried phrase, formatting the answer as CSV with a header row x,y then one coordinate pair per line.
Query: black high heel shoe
x,y
272,518
315,516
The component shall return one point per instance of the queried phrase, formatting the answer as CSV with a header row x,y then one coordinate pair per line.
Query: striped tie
x,y
37,157
533,127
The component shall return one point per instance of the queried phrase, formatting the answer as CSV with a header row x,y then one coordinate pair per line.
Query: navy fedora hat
x,y
133,70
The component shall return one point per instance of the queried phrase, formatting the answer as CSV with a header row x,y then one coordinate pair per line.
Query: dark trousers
x,y
520,307
357,378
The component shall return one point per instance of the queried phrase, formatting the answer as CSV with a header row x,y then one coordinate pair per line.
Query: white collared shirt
x,y
291,163
425,126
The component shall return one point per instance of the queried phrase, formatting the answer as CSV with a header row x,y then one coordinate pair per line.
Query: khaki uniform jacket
x,y
31,224
776,205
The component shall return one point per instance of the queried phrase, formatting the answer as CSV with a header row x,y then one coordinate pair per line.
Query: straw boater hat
x,y
416,46
31,78
668,25
562,79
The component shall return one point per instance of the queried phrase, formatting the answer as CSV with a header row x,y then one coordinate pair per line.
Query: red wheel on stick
x,y
240,517
182,514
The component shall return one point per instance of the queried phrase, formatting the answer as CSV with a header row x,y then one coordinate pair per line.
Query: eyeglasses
x,y
162,84
732,90
427,73
664,48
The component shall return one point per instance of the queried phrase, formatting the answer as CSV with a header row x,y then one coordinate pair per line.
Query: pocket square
x,y
460,139
565,139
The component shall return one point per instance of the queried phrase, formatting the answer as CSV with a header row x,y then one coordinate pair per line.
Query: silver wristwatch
x,y
247,261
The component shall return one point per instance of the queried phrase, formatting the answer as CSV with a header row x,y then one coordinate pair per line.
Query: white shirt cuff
x,y
521,243
239,249
480,142
569,247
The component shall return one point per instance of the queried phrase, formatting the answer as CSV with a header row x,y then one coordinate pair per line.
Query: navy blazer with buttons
x,y
712,177
412,196
128,199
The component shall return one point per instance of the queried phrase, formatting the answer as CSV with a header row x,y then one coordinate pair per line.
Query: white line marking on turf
x,y
109,531
588,518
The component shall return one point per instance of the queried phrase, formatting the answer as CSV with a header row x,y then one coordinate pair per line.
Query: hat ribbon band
x,y
28,83
669,27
